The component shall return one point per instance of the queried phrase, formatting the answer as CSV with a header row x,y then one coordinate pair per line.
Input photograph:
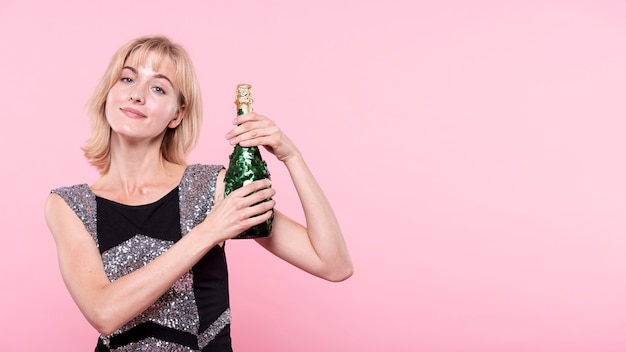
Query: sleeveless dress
x,y
194,314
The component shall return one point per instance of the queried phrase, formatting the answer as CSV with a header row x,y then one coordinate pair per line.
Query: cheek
x,y
108,105
171,110
172,115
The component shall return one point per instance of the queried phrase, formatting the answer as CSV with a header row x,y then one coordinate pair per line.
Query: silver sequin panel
x,y
83,202
177,307
155,345
211,332
197,190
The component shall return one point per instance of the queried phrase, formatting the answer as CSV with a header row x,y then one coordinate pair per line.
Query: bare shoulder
x,y
55,207
64,224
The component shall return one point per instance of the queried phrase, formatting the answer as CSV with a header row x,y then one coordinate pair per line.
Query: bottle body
x,y
246,165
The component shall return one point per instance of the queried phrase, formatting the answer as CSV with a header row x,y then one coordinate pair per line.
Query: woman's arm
x,y
319,248
109,305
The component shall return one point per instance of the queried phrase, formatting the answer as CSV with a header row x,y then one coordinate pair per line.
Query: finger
x,y
259,186
247,117
261,208
247,131
253,187
254,220
258,210
268,136
261,195
250,122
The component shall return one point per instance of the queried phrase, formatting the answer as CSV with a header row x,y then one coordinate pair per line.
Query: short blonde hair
x,y
177,141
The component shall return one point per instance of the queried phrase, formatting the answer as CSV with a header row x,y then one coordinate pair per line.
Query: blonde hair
x,y
177,141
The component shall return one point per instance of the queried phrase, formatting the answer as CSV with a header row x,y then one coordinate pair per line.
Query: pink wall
x,y
473,151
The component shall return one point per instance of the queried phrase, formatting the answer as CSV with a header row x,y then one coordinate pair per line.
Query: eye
x,y
126,80
159,90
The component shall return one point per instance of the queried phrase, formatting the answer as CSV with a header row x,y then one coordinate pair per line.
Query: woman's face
x,y
144,101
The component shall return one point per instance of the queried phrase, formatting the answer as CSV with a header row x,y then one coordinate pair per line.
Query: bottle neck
x,y
244,109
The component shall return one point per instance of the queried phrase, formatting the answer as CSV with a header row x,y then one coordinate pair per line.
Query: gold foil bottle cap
x,y
244,95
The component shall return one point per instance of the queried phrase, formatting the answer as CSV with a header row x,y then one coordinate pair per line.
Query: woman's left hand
x,y
255,130
318,248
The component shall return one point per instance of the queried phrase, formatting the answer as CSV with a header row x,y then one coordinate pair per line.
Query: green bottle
x,y
246,165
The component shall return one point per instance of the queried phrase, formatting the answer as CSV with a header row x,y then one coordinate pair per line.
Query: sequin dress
x,y
194,315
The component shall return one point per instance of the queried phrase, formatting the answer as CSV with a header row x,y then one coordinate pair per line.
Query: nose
x,y
136,93
135,97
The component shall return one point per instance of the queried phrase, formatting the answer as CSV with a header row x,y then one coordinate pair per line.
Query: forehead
x,y
159,62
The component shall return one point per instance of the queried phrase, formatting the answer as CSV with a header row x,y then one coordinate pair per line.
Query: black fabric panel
x,y
118,222
210,286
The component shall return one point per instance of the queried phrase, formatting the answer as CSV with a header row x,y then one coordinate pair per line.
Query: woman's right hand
x,y
240,210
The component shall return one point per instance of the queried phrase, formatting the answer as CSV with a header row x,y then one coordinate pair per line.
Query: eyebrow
x,y
158,75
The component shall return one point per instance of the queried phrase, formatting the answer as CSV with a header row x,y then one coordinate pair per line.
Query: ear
x,y
178,118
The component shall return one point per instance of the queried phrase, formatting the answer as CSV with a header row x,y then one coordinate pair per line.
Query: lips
x,y
132,113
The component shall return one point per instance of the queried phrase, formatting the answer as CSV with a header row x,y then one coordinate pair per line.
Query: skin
x,y
140,107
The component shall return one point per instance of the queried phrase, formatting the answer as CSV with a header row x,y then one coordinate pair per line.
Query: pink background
x,y
473,151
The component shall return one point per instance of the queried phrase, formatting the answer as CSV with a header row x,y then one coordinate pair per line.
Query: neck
x,y
138,174
136,159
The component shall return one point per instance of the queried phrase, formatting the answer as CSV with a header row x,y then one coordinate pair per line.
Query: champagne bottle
x,y
246,165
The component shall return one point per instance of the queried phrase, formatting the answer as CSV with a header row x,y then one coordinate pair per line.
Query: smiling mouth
x,y
132,113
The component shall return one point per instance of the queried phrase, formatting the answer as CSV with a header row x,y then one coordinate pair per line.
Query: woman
x,y
141,249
